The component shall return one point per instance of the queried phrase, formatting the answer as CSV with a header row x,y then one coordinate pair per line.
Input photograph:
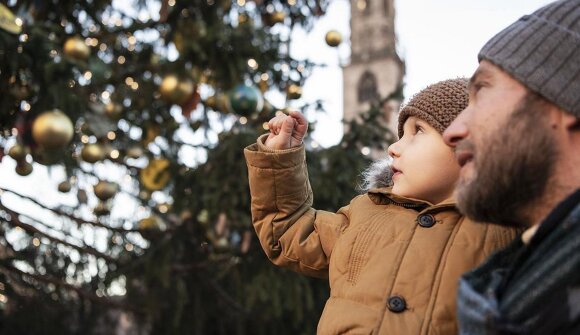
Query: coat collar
x,y
384,196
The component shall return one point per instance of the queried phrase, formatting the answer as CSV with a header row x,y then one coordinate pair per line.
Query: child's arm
x,y
292,234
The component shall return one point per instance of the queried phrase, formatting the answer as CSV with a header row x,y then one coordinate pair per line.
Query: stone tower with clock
x,y
375,69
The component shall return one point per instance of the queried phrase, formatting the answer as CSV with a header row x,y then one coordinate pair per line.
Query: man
x,y
518,143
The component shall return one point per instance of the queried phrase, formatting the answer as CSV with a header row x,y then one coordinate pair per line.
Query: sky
x,y
438,39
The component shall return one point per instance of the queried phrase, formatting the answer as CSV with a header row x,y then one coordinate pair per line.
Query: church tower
x,y
375,69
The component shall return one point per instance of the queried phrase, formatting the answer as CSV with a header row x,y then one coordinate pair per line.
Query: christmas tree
x,y
145,107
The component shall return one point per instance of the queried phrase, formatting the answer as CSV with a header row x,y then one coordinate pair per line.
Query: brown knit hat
x,y
438,104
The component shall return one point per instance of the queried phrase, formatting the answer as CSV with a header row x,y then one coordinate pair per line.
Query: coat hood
x,y
378,175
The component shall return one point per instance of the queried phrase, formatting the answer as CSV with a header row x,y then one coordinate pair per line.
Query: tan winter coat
x,y
393,263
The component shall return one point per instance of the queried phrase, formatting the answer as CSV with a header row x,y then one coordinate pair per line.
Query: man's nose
x,y
456,132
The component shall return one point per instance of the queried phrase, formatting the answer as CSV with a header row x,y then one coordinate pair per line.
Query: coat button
x,y
397,304
426,220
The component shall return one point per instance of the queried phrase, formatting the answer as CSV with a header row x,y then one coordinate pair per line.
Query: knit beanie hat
x,y
542,51
438,104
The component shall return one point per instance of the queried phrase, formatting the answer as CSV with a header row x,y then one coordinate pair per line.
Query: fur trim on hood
x,y
378,174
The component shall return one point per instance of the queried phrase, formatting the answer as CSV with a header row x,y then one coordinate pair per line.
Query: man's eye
x,y
477,87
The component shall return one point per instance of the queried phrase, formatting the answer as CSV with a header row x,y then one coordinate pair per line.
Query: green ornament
x,y
245,100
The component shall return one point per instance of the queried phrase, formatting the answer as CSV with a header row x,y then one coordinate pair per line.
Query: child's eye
x,y
419,129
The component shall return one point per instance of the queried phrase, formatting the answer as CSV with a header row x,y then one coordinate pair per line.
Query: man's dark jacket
x,y
529,288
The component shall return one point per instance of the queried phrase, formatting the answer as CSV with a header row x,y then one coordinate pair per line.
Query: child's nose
x,y
393,149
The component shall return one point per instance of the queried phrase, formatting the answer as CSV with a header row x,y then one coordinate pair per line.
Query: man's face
x,y
504,148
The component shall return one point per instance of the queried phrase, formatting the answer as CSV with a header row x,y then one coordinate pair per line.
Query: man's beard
x,y
512,169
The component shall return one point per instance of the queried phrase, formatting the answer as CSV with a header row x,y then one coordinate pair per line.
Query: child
x,y
394,255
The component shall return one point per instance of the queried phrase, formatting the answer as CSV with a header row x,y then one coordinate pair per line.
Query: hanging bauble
x,y
92,153
52,129
294,91
101,209
151,222
113,110
64,186
264,85
135,152
211,102
82,196
156,174
76,48
105,190
176,91
244,19
245,100
23,168
18,152
276,17
151,227
333,38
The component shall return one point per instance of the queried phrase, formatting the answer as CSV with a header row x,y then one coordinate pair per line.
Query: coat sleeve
x,y
291,232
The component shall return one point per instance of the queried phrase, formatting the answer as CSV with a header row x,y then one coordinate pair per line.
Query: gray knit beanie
x,y
542,51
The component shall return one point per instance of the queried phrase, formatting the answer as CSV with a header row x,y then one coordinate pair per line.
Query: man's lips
x,y
463,157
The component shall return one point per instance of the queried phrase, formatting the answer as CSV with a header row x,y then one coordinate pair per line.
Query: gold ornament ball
x,y
134,152
105,190
149,223
92,153
294,91
23,168
76,48
113,110
211,102
18,152
243,19
277,17
150,227
176,91
333,38
101,209
52,129
263,85
64,186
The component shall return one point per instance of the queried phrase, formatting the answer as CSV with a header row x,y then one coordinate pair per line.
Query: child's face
x,y
424,166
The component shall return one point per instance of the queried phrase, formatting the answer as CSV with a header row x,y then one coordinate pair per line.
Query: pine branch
x,y
15,221
77,220
230,302
9,269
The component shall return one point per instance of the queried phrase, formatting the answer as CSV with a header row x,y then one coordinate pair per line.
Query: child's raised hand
x,y
286,131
